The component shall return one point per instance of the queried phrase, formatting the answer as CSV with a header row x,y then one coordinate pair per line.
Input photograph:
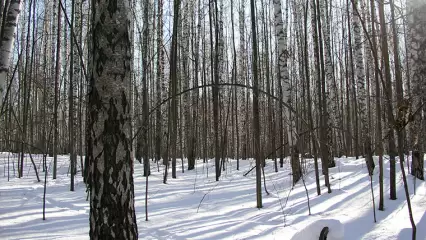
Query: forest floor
x,y
195,206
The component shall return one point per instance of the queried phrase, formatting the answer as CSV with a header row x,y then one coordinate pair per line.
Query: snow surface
x,y
312,231
195,206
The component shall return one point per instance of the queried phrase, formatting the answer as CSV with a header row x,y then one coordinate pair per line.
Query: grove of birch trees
x,y
174,83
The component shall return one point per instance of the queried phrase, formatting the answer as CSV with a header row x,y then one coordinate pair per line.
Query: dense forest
x,y
110,82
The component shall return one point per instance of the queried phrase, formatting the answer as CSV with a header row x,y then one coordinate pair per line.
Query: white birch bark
x,y
282,69
359,74
6,43
330,93
112,211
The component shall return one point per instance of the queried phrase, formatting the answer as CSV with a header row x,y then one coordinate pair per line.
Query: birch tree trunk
x,y
112,211
284,84
6,42
361,92
329,75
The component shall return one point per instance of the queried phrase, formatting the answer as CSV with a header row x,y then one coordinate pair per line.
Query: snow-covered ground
x,y
195,206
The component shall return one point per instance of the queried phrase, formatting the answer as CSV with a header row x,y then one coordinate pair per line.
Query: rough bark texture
x,y
112,212
6,42
330,95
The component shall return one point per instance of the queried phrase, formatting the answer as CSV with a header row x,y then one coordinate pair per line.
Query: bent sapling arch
x,y
280,101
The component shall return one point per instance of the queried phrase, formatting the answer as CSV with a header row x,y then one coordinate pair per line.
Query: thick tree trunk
x,y
6,42
112,211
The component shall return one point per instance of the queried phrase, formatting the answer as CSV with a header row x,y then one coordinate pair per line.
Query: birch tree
x,y
361,97
112,211
330,95
7,39
284,86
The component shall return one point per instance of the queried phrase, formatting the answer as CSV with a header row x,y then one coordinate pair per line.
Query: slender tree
x,y
388,97
379,144
256,121
55,141
173,114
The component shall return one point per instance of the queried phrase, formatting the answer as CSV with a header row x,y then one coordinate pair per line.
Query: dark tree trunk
x,y
388,97
112,211
256,121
